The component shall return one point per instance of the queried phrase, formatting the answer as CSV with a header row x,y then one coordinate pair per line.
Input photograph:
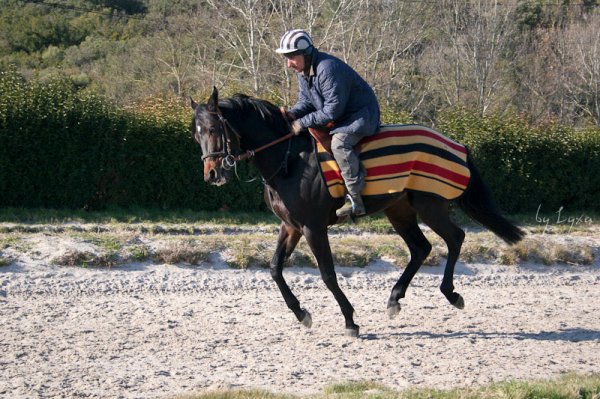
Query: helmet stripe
x,y
295,39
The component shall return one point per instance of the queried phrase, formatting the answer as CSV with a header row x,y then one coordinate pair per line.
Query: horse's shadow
x,y
567,335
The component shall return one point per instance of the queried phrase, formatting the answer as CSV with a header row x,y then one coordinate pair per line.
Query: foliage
x,y
534,55
65,147
528,166
62,147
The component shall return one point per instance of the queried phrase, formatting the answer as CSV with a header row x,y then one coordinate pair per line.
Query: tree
x,y
243,27
582,48
475,37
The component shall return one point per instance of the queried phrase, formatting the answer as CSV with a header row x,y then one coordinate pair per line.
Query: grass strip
x,y
572,222
120,245
569,386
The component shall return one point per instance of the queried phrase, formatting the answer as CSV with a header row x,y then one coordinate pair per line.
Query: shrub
x,y
528,166
62,146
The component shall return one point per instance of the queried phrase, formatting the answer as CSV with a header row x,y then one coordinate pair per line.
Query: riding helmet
x,y
295,41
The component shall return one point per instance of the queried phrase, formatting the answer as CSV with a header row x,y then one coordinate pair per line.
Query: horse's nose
x,y
211,176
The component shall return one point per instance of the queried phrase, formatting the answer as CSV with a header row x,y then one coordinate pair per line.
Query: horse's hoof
x,y
307,319
393,310
352,332
459,303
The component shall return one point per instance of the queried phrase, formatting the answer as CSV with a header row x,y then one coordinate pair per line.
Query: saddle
x,y
323,137
399,158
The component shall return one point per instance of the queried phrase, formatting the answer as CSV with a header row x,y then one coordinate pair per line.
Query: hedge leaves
x,y
62,147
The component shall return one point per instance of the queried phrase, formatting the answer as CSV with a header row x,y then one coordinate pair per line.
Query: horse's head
x,y
235,129
218,142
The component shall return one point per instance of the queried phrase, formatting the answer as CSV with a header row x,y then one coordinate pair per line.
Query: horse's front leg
x,y
319,244
286,242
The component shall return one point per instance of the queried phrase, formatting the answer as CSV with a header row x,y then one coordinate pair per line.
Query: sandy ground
x,y
153,331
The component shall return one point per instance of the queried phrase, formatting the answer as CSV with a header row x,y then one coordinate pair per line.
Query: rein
x,y
251,153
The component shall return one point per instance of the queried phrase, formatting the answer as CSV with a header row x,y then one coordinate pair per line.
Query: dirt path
x,y
155,331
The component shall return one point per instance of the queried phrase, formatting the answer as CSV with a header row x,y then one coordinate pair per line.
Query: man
x,y
332,93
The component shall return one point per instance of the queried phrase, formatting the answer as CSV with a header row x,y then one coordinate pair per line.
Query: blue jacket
x,y
334,92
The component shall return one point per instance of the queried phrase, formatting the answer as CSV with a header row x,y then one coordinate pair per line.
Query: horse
x,y
241,127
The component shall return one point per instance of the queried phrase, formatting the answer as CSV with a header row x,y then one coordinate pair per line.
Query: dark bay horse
x,y
242,127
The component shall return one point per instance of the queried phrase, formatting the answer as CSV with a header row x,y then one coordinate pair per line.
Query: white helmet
x,y
295,40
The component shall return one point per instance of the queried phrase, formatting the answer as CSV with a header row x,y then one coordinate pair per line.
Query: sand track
x,y
145,331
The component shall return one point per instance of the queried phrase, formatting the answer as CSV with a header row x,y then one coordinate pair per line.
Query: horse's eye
x,y
211,130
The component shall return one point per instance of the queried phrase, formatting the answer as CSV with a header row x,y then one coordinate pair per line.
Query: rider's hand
x,y
286,115
296,127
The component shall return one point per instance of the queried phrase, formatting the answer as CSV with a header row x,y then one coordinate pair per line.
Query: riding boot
x,y
352,207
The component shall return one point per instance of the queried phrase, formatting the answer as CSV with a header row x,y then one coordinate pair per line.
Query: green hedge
x,y
526,166
65,148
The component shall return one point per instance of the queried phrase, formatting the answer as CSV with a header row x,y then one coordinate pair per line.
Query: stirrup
x,y
352,212
356,209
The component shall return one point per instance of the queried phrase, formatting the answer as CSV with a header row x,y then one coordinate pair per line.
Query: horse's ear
x,y
213,101
193,103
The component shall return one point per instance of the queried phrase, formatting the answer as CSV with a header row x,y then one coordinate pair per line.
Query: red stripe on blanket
x,y
421,166
332,175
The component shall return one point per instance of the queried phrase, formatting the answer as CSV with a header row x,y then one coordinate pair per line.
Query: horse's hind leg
x,y
434,212
404,220
286,243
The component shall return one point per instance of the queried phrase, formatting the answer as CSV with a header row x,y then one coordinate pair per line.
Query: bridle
x,y
229,159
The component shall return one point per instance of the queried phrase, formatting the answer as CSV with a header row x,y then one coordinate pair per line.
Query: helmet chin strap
x,y
308,58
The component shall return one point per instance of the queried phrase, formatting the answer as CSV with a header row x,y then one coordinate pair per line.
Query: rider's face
x,y
296,62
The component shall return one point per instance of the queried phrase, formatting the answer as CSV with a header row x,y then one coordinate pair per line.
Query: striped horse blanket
x,y
404,157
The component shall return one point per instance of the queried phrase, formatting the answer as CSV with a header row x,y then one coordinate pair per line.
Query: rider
x,y
331,92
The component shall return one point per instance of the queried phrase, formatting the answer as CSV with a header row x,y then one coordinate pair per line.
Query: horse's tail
x,y
478,202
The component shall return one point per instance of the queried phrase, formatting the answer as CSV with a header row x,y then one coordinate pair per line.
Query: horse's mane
x,y
268,111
